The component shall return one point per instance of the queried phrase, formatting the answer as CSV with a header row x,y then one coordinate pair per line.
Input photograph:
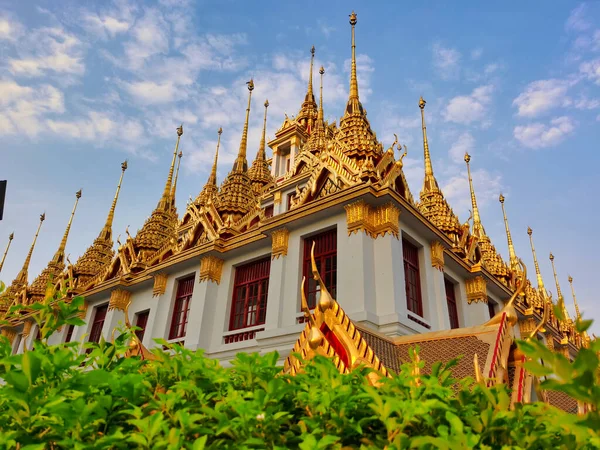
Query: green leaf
x,y
31,366
200,443
583,325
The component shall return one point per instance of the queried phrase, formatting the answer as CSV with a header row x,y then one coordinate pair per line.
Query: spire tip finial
x,y
467,158
220,132
312,50
353,18
322,70
529,231
180,130
422,103
501,198
267,103
250,84
124,166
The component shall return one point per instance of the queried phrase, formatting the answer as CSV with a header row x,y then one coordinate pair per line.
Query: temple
x,y
319,249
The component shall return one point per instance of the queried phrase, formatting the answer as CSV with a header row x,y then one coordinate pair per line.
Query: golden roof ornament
x,y
100,254
174,189
316,141
259,173
561,299
538,274
210,189
10,238
433,205
308,111
514,264
577,312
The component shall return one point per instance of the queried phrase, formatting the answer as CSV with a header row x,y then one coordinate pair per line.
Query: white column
x,y
204,293
389,286
440,317
277,293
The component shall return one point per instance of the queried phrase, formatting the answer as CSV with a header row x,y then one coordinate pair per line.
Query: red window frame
x,y
250,291
451,302
141,320
69,336
98,323
412,278
181,308
326,260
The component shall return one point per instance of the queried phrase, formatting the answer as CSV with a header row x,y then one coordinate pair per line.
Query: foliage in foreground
x,y
57,397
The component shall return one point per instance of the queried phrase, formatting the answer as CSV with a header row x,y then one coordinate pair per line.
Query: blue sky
x,y
85,85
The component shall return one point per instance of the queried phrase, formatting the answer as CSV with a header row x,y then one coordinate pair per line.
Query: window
x,y
185,288
269,211
289,200
140,321
98,323
287,164
451,301
412,278
69,335
251,286
491,308
326,259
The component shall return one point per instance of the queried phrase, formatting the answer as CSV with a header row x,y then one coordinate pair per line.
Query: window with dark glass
x,y
141,321
491,308
326,259
181,309
451,301
251,286
412,278
269,211
98,323
69,335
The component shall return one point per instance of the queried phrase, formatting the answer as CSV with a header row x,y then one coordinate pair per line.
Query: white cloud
x,y
151,93
324,28
587,103
542,96
476,53
150,36
105,26
591,69
578,21
466,109
487,185
10,29
22,108
464,144
48,50
446,60
539,135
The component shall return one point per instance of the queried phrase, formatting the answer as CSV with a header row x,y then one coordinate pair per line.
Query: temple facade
x,y
233,272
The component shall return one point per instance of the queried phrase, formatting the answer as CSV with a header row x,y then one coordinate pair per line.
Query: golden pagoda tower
x,y
360,142
210,189
20,282
236,196
38,288
308,112
491,260
316,141
10,238
99,255
161,226
433,205
259,173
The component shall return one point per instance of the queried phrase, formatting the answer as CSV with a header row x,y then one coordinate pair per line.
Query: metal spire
x,y
60,253
514,261
478,230
10,238
22,276
165,201
241,163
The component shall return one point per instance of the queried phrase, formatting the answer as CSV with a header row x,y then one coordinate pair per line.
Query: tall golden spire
x,y
174,189
514,261
210,189
241,163
577,312
259,173
429,183
106,232
561,299
308,111
22,276
59,256
212,179
321,115
165,201
309,93
540,281
477,226
353,78
10,238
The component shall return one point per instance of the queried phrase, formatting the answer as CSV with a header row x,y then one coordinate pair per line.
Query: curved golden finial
x,y
111,213
540,326
509,308
241,163
514,262
60,253
353,78
537,266
321,115
22,276
478,375
478,230
10,238
165,201
577,313
561,299
174,189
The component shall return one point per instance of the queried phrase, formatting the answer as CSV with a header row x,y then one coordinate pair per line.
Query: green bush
x,y
56,397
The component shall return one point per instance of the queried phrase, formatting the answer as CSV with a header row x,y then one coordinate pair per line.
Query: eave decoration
x,y
476,290
280,240
374,221
211,268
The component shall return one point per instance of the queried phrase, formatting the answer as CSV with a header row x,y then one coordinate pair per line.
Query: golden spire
x,y
241,164
577,312
165,201
59,256
10,238
478,230
308,111
514,262
561,299
174,189
353,78
320,116
429,183
22,276
212,179
309,93
537,267
259,173
107,230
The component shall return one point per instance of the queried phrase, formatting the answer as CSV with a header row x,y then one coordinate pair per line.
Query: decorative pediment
x,y
374,221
